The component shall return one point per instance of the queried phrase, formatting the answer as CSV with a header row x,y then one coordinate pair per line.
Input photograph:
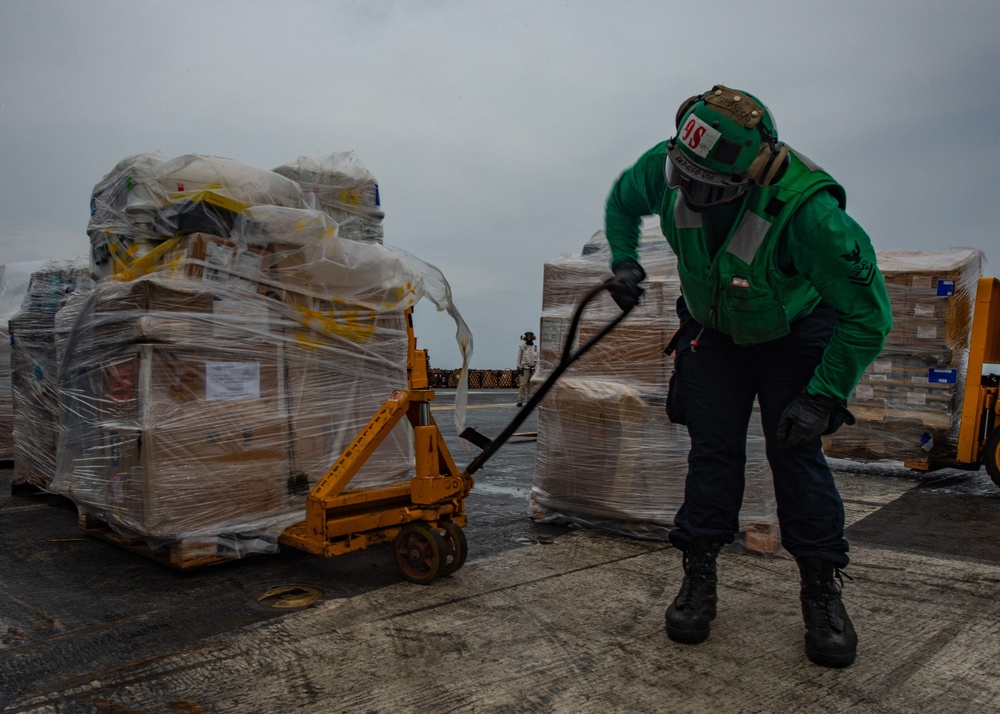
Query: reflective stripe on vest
x,y
684,217
748,237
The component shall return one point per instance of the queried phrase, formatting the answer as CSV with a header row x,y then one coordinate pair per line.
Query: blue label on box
x,y
942,376
946,288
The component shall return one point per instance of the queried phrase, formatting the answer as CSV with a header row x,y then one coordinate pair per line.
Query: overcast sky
x,y
495,129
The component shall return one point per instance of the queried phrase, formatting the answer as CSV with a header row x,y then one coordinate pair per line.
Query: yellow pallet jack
x,y
423,517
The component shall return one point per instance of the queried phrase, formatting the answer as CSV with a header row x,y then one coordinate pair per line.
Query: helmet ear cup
x,y
769,164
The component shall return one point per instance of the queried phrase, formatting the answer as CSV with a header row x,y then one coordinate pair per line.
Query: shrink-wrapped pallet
x,y
234,345
199,408
187,421
608,457
35,369
14,280
909,401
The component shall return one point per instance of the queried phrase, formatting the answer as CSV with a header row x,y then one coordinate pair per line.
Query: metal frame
x,y
340,520
979,408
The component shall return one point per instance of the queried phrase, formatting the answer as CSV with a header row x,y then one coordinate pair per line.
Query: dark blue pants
x,y
713,392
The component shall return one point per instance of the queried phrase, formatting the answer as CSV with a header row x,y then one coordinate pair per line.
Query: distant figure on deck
x,y
527,360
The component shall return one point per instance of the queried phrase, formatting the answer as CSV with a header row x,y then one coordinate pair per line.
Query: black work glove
x,y
624,287
809,416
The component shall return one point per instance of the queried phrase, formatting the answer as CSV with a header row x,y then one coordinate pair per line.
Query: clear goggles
x,y
701,187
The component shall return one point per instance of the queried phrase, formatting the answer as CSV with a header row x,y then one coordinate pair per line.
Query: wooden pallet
x,y
182,554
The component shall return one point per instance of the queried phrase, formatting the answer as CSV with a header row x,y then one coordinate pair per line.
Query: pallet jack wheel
x,y
420,552
456,547
991,455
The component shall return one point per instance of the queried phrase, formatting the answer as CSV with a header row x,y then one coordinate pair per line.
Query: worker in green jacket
x,y
782,302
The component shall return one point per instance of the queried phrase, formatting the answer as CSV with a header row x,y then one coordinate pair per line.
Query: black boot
x,y
689,615
830,637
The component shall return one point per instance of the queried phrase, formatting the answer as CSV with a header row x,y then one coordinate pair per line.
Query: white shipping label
x,y
878,378
916,398
232,380
248,267
218,263
926,332
923,309
865,393
882,365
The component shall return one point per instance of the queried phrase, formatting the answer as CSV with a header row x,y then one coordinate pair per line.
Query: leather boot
x,y
689,615
830,637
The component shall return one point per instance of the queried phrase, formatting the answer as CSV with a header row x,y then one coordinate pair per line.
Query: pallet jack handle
x,y
568,358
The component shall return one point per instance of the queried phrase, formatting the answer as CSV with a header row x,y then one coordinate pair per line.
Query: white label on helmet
x,y
698,136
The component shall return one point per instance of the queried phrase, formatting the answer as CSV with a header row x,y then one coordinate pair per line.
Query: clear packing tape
x,y
607,457
206,382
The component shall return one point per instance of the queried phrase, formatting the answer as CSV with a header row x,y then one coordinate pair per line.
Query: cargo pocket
x,y
676,397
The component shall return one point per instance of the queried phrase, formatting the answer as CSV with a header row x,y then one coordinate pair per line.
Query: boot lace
x,y
825,591
697,579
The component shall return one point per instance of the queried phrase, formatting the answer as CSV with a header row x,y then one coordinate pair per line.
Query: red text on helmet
x,y
698,136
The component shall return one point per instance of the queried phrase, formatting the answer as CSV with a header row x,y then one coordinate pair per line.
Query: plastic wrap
x,y
607,456
201,402
147,198
14,280
120,232
34,368
225,359
909,401
344,189
196,409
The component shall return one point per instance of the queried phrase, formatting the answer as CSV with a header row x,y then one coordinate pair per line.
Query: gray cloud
x,y
495,130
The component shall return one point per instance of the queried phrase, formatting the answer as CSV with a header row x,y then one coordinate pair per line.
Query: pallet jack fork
x,y
424,516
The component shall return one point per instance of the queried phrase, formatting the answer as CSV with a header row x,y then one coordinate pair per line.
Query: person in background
x,y
781,302
527,360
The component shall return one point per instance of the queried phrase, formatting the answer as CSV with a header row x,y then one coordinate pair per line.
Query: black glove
x,y
809,416
624,287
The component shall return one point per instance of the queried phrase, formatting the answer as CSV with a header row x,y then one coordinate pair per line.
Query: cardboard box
x,y
152,294
334,386
931,293
632,353
607,454
209,472
187,440
203,258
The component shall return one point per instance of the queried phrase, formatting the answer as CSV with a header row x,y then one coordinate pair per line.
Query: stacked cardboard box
x,y
232,348
607,455
909,401
352,358
169,429
14,281
35,370
198,407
